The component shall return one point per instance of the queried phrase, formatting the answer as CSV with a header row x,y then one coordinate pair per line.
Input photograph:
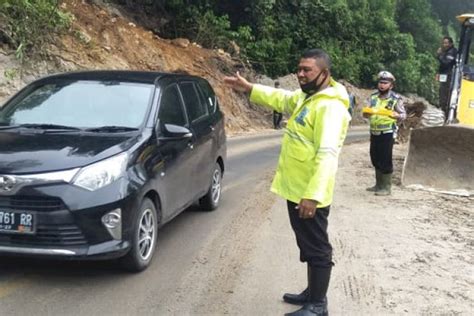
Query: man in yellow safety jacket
x,y
307,166
383,131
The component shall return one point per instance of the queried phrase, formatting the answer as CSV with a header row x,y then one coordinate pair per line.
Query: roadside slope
x,y
102,38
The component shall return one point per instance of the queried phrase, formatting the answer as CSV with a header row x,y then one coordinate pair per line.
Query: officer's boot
x,y
299,299
377,182
318,286
386,186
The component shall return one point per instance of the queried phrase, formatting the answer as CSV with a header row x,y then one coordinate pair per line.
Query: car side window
x,y
209,96
195,108
171,108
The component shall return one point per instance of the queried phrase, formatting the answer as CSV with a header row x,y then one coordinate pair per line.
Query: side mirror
x,y
174,132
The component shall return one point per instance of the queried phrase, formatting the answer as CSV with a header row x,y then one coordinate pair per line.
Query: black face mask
x,y
311,87
383,92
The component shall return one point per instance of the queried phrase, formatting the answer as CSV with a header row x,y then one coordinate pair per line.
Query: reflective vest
x,y
312,141
381,123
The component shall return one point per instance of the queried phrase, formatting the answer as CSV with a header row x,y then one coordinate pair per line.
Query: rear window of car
x,y
208,95
82,104
195,108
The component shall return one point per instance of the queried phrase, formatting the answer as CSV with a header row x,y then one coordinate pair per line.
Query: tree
x,y
415,17
362,36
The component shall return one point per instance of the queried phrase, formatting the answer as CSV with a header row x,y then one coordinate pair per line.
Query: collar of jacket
x,y
390,95
334,90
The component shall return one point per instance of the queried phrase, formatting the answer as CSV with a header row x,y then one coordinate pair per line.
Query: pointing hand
x,y
238,83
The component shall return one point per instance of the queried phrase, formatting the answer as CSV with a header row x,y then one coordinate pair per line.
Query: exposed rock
x,y
234,49
83,36
181,42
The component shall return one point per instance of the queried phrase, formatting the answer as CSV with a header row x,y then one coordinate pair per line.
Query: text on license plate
x,y
17,222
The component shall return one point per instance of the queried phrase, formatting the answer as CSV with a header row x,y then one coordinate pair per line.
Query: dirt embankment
x,y
102,38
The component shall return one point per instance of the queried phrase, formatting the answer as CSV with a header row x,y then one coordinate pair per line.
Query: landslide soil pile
x,y
103,37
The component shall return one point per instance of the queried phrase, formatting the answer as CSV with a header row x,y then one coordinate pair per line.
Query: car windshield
x,y
82,104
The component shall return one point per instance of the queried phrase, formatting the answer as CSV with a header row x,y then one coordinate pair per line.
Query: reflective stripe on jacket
x,y
380,123
313,139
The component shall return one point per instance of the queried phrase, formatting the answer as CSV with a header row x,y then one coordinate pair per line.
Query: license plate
x,y
443,78
17,222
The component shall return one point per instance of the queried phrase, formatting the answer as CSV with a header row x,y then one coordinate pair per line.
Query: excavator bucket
x,y
441,159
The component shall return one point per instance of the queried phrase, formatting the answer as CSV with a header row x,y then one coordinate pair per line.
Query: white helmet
x,y
386,75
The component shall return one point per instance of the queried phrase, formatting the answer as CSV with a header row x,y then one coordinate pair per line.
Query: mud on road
x,y
407,254
410,253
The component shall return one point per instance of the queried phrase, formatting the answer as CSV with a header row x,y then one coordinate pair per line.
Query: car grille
x,y
48,235
31,203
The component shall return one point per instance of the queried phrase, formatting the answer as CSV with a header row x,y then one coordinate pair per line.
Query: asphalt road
x,y
40,287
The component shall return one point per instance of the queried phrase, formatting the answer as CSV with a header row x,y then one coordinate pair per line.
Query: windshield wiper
x,y
49,126
44,127
111,129
8,126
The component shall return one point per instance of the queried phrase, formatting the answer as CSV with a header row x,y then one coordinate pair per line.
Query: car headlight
x,y
102,173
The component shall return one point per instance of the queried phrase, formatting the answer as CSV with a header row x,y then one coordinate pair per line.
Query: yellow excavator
x,y
442,158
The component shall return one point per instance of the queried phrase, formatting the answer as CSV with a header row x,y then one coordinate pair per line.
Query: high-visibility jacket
x,y
381,123
312,141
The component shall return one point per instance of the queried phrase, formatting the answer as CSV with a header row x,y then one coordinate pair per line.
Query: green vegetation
x,y
447,12
362,36
27,24
10,74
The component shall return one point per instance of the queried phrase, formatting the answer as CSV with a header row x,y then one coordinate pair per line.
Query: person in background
x,y
383,131
277,116
307,166
352,103
352,98
447,59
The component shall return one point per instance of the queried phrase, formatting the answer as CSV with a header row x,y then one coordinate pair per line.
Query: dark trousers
x,y
312,237
444,94
381,147
277,117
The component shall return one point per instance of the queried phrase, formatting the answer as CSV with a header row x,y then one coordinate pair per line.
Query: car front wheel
x,y
143,239
211,200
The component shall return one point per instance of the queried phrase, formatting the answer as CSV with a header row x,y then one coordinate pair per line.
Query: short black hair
x,y
320,55
449,38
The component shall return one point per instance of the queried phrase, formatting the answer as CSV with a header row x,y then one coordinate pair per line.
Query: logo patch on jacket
x,y
300,118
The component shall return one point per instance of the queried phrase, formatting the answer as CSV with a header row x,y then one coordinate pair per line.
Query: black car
x,y
93,163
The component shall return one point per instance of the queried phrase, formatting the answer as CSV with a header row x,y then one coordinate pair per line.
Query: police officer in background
x,y
277,116
307,165
447,60
383,131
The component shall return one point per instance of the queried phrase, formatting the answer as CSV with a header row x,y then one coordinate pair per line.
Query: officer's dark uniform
x,y
277,117
382,134
447,60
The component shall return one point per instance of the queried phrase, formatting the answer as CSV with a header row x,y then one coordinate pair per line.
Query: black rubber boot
x,y
386,187
318,286
378,182
299,299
